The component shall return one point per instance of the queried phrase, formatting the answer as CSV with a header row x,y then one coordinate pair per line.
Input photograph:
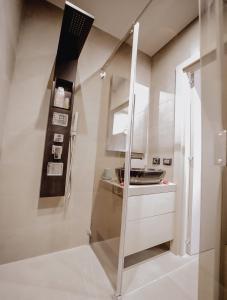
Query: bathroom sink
x,y
141,176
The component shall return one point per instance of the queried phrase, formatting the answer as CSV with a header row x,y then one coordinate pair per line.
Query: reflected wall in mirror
x,y
118,116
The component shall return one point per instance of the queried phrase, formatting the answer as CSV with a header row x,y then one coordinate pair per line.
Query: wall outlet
x,y
156,161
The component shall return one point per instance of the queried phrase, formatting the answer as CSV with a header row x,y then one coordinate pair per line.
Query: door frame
x,y
181,169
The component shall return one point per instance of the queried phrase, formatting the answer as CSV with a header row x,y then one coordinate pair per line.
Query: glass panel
x,y
153,139
149,235
158,237
223,52
106,223
212,274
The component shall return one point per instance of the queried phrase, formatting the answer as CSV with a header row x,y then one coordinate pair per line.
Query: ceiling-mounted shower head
x,y
76,25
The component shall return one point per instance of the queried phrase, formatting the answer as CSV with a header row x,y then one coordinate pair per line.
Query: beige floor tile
x,y
76,274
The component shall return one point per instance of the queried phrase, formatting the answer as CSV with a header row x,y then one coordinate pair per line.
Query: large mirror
x,y
118,116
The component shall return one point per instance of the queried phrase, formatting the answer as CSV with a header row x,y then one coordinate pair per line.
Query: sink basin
x,y
141,176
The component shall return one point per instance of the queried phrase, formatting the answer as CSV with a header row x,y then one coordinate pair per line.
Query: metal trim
x,y
79,9
128,157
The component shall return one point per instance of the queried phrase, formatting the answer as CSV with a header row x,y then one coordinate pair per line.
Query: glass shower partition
x,y
213,241
150,232
113,155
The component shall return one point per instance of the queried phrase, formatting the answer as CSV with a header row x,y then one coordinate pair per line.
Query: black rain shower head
x,y
76,25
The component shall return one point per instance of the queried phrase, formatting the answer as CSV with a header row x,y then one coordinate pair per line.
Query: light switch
x,y
167,161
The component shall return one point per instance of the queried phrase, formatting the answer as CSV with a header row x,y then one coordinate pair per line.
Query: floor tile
x,y
153,269
70,274
161,289
76,274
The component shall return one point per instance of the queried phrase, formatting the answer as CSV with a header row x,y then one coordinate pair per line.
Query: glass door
x,y
212,258
113,158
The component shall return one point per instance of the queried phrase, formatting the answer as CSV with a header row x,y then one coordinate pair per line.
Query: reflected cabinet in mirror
x,y
118,116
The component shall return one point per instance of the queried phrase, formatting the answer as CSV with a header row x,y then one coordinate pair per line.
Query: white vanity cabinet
x,y
150,217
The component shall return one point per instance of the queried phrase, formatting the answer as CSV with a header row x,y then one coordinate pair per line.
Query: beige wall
x,y
30,226
163,66
10,12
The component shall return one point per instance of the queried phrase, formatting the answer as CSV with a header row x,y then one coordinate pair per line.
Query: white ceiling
x,y
163,19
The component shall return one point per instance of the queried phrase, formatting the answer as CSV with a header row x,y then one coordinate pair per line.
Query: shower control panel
x,y
76,25
57,140
60,119
57,151
58,137
54,169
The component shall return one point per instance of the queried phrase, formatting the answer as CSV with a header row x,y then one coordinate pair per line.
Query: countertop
x,y
135,190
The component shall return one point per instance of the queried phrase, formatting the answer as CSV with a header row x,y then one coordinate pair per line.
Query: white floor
x,y
165,277
77,274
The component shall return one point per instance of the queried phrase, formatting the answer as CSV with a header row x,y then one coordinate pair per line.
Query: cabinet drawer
x,y
149,232
144,206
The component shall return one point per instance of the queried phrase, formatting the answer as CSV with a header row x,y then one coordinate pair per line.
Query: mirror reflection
x,y
118,116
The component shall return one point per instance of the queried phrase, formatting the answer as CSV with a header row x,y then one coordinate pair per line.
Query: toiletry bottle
x,y
66,103
59,97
